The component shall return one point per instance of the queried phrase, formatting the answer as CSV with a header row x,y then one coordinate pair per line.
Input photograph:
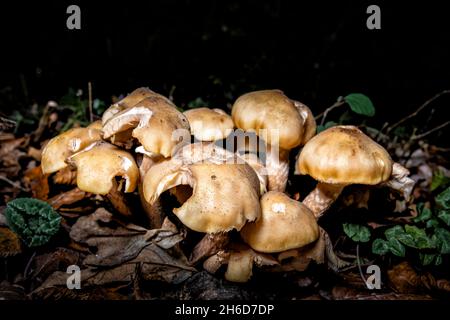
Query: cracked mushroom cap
x,y
344,155
130,100
224,196
272,110
98,165
155,122
209,124
284,224
59,148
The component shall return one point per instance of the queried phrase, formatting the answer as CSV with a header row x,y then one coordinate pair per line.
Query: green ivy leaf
x,y
432,223
396,247
438,260
357,232
380,247
424,213
35,221
439,179
420,238
443,199
327,125
360,104
444,216
394,232
441,238
427,258
407,240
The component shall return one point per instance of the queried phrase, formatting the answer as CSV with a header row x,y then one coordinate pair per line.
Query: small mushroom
x,y
59,148
209,124
340,156
155,122
284,224
99,164
281,122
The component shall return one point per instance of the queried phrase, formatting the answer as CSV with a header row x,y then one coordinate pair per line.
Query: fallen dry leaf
x,y
66,175
344,293
37,182
10,244
67,198
208,246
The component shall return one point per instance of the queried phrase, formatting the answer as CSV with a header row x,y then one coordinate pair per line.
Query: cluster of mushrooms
x,y
222,182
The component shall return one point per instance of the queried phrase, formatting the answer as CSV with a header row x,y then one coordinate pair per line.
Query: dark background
x,y
315,51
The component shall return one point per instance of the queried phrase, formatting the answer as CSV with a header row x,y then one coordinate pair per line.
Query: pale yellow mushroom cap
x,y
344,155
59,148
98,164
155,122
224,196
284,224
209,124
130,100
273,111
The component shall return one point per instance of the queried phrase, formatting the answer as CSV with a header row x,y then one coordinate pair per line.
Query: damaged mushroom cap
x,y
59,148
209,124
130,100
155,122
344,155
224,196
284,224
99,164
273,111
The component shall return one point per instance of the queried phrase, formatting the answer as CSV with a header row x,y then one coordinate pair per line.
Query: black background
x,y
315,51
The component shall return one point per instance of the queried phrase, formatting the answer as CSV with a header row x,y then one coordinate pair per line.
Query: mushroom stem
x,y
399,181
118,201
208,246
277,165
153,211
240,265
322,197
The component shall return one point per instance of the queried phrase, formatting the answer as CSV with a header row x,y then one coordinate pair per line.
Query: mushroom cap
x,y
284,224
209,124
98,164
130,100
272,110
153,121
59,148
224,196
344,155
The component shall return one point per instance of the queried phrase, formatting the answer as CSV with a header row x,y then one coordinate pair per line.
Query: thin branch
x,y
423,135
91,115
324,114
423,106
14,184
359,265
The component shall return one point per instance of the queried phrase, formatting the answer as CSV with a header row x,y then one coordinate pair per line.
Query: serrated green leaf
x,y
444,216
394,232
380,247
443,199
360,104
357,232
427,258
396,248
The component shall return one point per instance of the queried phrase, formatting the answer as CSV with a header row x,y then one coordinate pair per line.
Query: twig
x,y
25,272
324,114
423,135
14,184
172,91
359,264
91,115
423,106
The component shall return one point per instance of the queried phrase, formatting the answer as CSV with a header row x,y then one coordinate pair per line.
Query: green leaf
x,y
407,240
442,239
439,179
438,260
327,125
396,247
197,103
443,199
426,258
394,232
433,223
444,216
424,213
380,247
360,104
357,232
35,221
420,238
